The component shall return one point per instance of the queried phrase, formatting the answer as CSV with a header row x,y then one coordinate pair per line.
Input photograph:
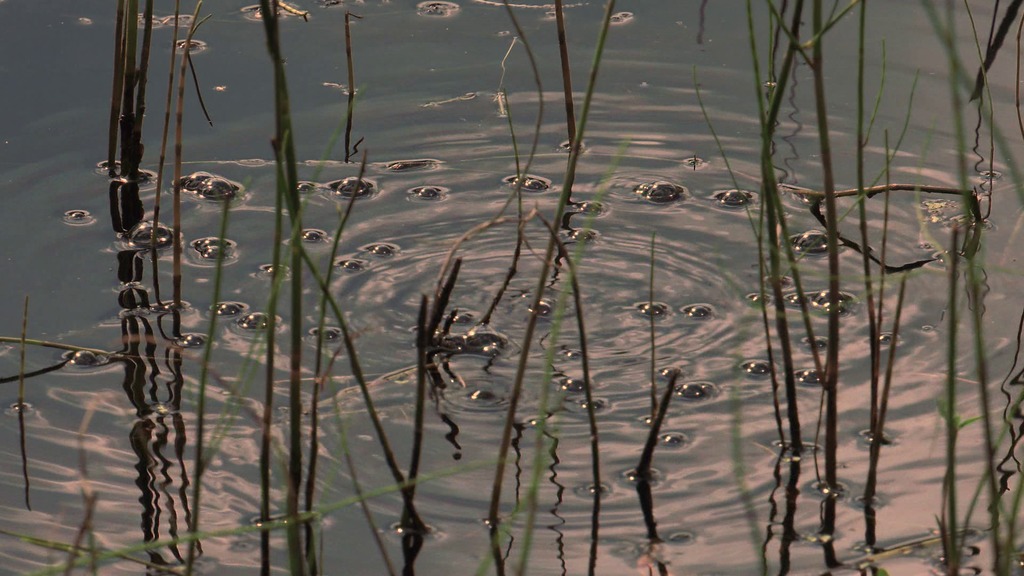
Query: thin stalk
x,y
650,323
179,122
21,404
129,161
948,525
163,136
268,392
546,263
563,52
116,89
287,187
774,213
351,84
832,233
140,98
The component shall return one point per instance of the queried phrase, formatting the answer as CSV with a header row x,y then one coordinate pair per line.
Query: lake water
x,y
426,90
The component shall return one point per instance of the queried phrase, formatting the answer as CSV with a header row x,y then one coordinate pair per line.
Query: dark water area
x,y
440,158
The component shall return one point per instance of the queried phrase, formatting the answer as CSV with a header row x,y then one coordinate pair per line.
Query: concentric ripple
x,y
78,218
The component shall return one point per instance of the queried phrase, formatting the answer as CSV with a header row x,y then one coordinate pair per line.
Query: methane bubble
x,y
820,301
212,248
807,377
698,311
194,46
529,182
810,242
141,235
254,321
437,8
409,165
652,309
660,192
673,439
329,334
353,186
733,198
695,163
620,18
428,193
86,358
229,309
210,186
381,249
78,218
191,340
307,187
756,368
315,236
696,390
351,264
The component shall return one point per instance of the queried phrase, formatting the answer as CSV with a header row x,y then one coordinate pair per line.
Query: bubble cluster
x,y
212,248
210,186
660,192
